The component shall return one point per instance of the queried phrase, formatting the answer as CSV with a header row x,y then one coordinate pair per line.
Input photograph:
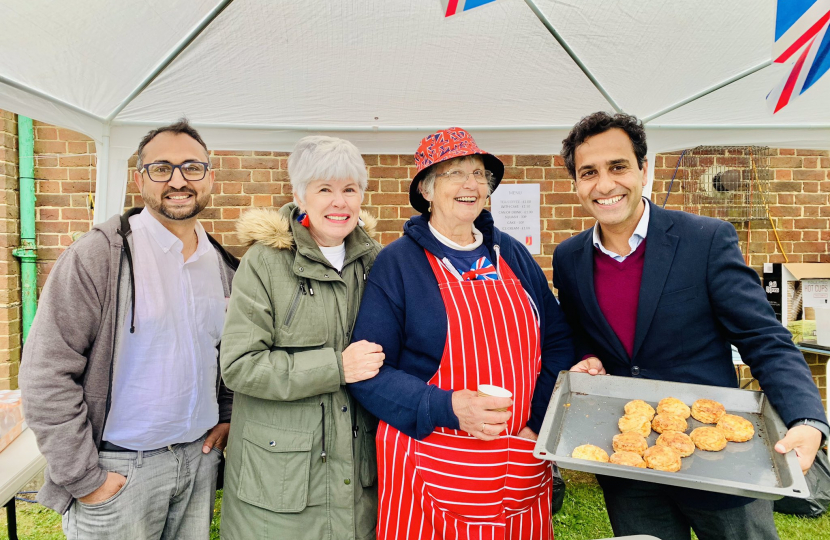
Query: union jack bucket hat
x,y
441,146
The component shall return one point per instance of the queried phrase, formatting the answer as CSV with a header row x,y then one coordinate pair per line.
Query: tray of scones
x,y
701,437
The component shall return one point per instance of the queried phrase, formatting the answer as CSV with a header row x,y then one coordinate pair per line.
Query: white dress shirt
x,y
634,242
164,381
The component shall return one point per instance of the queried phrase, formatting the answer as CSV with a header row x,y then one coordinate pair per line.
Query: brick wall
x,y
799,200
9,266
65,167
65,172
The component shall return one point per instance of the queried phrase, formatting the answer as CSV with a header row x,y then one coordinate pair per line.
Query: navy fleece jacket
x,y
402,311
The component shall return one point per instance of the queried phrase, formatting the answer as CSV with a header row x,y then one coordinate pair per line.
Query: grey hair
x,y
318,157
427,186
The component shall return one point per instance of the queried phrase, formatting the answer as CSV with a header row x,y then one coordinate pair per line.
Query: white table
x,y
19,463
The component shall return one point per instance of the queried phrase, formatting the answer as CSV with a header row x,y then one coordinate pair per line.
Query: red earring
x,y
303,220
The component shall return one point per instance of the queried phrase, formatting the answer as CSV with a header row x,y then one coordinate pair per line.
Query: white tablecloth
x,y
19,463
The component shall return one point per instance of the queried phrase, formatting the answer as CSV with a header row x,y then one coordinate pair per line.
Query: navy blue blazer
x,y
697,296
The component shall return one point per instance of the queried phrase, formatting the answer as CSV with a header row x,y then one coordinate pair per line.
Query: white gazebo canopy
x,y
260,74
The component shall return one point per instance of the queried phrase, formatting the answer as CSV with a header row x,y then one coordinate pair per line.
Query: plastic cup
x,y
489,390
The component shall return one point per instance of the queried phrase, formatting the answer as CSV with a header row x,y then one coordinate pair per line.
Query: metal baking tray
x,y
584,409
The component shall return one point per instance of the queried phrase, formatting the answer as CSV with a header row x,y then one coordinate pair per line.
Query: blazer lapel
x,y
584,272
660,249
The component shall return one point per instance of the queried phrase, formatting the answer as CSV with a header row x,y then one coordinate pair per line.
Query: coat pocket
x,y
304,321
275,466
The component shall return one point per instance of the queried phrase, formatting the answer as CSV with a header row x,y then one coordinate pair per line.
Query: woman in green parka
x,y
301,453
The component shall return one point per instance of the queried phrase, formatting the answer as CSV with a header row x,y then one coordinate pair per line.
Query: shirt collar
x,y
167,241
636,238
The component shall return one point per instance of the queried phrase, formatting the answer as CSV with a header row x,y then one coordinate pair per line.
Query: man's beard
x,y
177,213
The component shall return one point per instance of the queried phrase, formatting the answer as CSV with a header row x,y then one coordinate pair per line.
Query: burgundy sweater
x,y
617,285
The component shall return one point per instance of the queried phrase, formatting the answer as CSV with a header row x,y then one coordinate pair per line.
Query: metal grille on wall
x,y
727,182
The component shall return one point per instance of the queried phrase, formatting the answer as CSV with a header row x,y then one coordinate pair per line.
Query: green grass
x,y
582,517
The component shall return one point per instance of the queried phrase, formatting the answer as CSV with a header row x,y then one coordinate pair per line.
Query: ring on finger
x,y
483,425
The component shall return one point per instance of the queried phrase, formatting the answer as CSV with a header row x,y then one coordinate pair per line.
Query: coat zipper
x,y
323,412
295,304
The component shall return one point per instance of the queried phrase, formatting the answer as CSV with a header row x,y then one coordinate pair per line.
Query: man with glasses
x,y
120,376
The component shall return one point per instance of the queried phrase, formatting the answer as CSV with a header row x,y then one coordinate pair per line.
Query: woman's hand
x,y
476,415
362,360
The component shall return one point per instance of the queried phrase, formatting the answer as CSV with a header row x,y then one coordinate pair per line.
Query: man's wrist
x,y
817,424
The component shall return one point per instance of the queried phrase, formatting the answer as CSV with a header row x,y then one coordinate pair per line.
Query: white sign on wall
x,y
515,210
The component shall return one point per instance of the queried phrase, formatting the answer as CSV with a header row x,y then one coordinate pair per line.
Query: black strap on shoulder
x,y
122,231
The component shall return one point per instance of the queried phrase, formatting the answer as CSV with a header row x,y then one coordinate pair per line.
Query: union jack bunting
x,y
800,25
451,7
481,269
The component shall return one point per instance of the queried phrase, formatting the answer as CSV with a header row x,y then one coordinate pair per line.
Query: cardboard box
x,y
785,283
11,417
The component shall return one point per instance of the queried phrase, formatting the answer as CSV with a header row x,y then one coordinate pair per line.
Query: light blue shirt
x,y
634,242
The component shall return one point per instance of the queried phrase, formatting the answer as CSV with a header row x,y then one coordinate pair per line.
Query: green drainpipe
x,y
27,252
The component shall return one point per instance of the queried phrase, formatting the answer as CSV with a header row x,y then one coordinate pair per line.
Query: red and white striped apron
x,y
450,485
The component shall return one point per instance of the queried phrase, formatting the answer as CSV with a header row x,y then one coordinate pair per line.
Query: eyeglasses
x,y
192,171
458,176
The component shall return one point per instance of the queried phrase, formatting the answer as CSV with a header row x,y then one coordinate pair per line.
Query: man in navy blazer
x,y
660,294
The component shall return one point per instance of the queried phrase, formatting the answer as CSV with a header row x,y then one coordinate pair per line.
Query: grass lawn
x,y
582,517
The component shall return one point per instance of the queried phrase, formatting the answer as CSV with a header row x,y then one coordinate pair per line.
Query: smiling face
x,y
454,204
178,199
609,185
333,207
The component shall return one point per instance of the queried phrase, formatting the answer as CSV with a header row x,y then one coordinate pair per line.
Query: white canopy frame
x,y
494,70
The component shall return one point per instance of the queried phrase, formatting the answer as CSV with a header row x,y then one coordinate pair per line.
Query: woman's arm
x,y
250,360
399,395
400,399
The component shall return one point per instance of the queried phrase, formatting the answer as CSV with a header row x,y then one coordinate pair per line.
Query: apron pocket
x,y
275,467
527,476
463,475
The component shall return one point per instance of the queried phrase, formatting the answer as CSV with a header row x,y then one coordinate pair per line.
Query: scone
x,y
662,458
736,428
590,452
668,422
673,406
631,459
679,441
707,411
630,441
639,407
710,439
636,423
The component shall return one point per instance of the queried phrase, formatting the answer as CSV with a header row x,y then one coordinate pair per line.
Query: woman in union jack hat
x,y
457,304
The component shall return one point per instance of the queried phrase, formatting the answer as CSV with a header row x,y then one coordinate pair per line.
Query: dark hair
x,y
600,122
181,127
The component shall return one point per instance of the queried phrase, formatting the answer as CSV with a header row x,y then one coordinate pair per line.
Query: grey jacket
x,y
67,365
